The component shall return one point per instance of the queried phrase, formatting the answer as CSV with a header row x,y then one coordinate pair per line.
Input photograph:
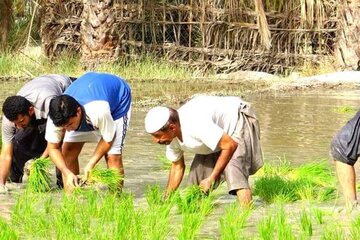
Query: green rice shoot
x,y
306,223
283,183
6,231
39,179
345,110
109,177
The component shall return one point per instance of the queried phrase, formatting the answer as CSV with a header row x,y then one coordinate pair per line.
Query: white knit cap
x,y
156,118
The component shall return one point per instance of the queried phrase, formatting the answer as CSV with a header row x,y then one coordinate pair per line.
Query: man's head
x,y
65,112
19,111
163,124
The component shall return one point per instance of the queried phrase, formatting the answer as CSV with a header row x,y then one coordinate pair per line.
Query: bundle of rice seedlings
x,y
109,177
191,200
311,181
39,180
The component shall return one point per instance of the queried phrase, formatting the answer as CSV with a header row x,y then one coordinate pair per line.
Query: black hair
x,y
15,105
62,108
173,118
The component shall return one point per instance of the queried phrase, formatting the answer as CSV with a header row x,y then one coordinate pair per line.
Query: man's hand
x,y
3,189
205,184
87,171
71,181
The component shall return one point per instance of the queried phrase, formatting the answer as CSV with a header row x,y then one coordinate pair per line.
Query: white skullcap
x,y
156,118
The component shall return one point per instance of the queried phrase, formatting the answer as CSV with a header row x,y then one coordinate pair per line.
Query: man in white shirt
x,y
222,132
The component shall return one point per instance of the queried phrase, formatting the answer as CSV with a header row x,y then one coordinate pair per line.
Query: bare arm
x,y
45,154
101,149
5,162
175,176
57,157
228,147
70,180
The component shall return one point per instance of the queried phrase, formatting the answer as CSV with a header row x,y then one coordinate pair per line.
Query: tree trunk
x,y
98,41
347,50
5,21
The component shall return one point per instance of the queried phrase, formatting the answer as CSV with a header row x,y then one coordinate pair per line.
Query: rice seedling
x,y
6,231
319,215
157,218
194,206
355,228
39,180
233,223
156,222
311,181
306,223
345,110
29,217
276,189
284,230
109,177
191,200
266,227
333,233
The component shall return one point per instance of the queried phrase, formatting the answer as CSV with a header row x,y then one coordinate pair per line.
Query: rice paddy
x,y
93,214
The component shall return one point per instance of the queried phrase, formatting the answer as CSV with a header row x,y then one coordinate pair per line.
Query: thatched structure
x,y
230,35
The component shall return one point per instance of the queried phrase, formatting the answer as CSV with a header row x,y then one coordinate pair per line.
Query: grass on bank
x,y
33,63
284,183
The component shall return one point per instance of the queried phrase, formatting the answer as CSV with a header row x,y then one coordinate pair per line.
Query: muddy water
x,y
297,126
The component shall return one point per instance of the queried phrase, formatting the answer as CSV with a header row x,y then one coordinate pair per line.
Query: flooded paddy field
x,y
295,126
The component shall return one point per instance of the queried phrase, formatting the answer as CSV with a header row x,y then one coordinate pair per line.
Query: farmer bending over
x,y
23,125
95,108
345,151
223,132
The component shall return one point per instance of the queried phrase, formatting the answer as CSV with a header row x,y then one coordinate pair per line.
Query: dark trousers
x,y
28,143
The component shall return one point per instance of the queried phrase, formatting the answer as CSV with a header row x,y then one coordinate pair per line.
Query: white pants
x,y
95,136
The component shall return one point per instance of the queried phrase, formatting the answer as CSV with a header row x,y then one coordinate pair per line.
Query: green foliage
x,y
345,110
233,223
276,189
283,228
355,228
266,227
190,202
39,180
194,206
310,181
6,231
332,232
157,219
319,215
109,177
306,223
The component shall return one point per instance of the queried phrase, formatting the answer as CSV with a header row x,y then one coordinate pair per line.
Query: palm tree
x,y
347,50
98,41
5,21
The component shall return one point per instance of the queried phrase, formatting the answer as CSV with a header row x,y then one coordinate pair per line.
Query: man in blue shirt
x,y
96,108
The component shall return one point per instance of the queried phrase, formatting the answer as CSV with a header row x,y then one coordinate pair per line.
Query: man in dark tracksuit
x,y
345,151
24,124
